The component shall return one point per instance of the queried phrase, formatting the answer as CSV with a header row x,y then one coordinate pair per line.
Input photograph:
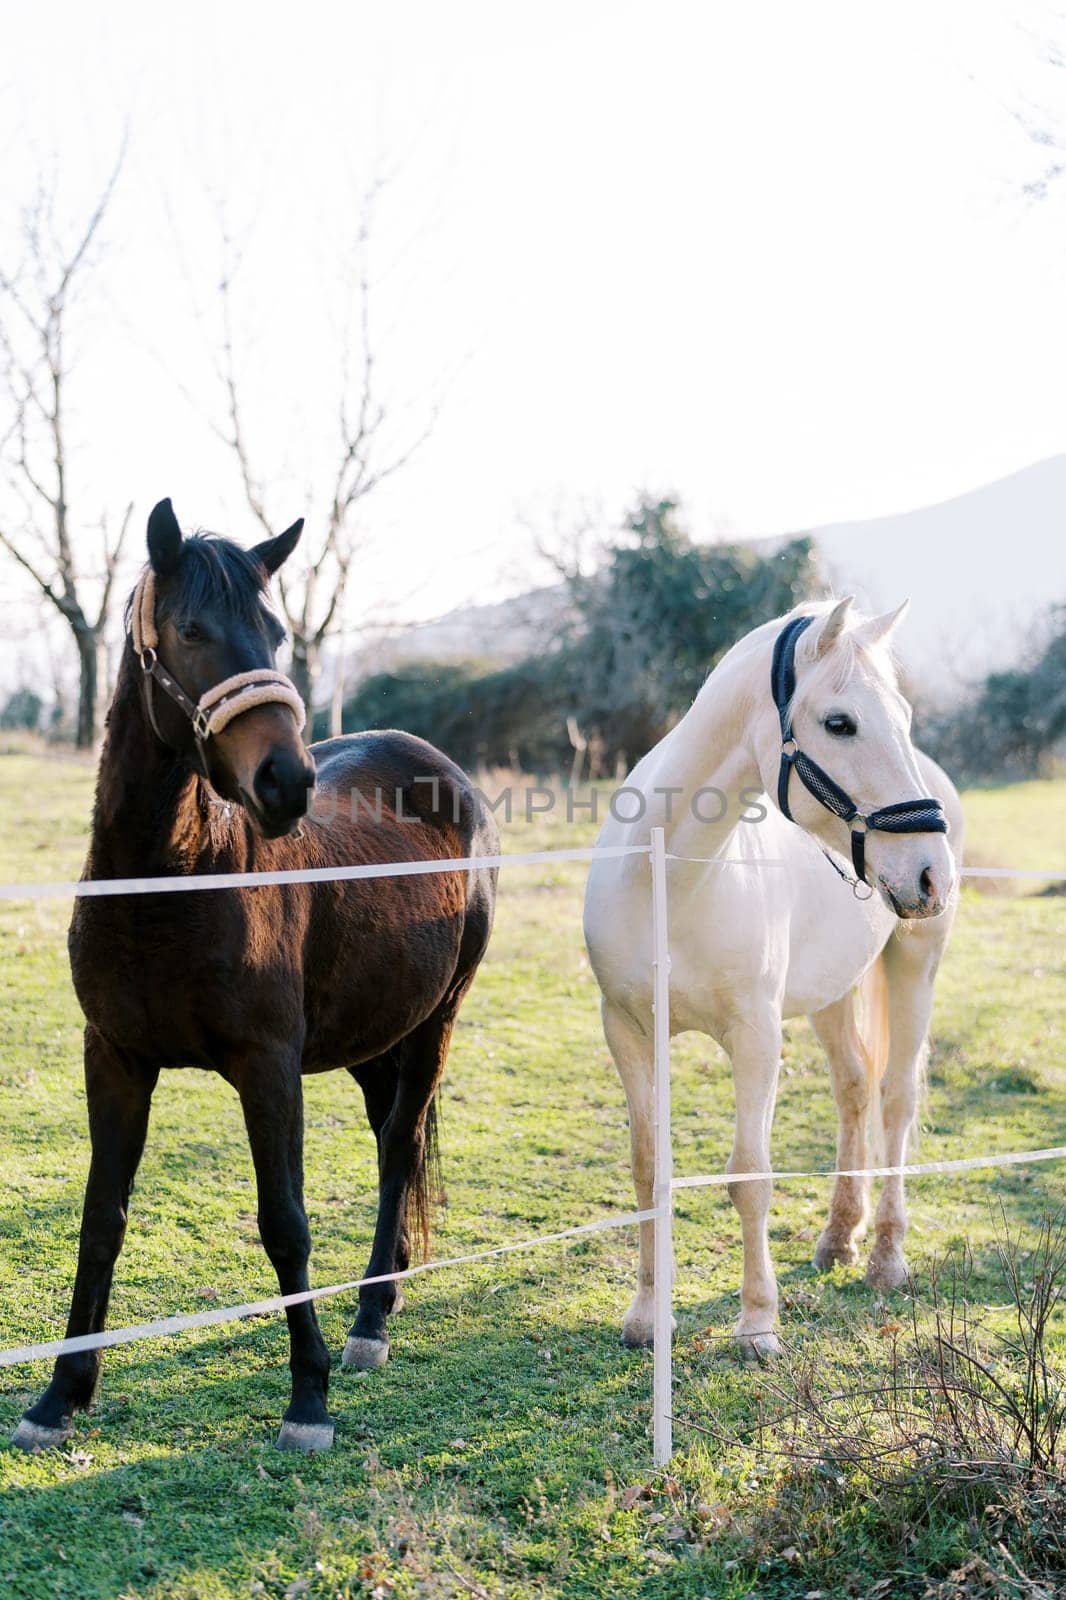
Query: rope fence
x,y
164,1326
192,883
665,1186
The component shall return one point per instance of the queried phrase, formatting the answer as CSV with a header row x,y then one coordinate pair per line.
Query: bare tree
x,y
367,454
38,527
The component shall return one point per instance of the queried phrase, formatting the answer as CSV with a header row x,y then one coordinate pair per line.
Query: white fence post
x,y
662,1380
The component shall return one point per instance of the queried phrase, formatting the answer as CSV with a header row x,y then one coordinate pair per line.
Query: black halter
x,y
906,816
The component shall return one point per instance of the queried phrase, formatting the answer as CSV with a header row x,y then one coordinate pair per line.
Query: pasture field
x,y
505,1449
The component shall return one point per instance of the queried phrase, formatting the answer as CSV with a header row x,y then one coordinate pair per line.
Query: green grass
x,y
492,1455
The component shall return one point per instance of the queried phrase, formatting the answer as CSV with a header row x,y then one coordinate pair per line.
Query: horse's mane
x,y
213,568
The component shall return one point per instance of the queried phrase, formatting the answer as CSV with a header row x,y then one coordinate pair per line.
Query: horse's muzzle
x,y
282,788
928,898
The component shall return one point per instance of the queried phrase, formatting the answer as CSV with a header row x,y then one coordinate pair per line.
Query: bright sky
x,y
775,257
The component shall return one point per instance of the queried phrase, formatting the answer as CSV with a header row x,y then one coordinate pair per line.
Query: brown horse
x,y
261,984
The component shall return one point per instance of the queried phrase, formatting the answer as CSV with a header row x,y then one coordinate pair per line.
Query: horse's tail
x,y
871,1024
425,1191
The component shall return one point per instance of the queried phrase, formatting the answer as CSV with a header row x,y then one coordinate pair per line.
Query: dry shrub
x,y
963,1440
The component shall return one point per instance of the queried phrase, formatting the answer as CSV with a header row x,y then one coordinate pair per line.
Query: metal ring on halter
x,y
147,665
201,723
785,751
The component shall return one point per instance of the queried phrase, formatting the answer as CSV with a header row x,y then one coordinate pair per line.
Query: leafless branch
x,y
236,438
313,597
35,300
27,565
112,556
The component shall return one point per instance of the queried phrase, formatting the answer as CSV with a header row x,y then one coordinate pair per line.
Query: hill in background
x,y
980,571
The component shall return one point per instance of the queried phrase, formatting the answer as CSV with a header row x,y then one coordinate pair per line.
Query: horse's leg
x,y
272,1101
403,1150
378,1079
632,1052
118,1093
911,959
850,1077
754,1047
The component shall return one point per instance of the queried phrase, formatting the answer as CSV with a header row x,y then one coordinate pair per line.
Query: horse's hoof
x,y
759,1347
638,1324
887,1270
363,1354
34,1436
637,1337
830,1253
310,1437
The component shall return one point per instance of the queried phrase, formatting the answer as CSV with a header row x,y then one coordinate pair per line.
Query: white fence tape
x,y
1012,1158
182,883
1012,872
814,866
163,1326
666,1184
91,888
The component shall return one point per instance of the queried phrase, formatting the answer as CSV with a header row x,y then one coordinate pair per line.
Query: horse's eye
x,y
191,632
840,725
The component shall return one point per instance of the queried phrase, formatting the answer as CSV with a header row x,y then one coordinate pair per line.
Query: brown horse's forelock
x,y
214,571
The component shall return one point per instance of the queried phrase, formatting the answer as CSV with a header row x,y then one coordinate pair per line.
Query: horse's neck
x,y
149,814
709,751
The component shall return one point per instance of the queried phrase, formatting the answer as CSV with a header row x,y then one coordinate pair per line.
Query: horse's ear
x,y
272,552
834,625
878,629
164,539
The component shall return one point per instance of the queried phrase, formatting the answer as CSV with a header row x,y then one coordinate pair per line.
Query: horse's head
x,y
214,623
848,717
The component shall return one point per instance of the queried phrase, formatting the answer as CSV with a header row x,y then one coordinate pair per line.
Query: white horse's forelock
x,y
847,656
836,668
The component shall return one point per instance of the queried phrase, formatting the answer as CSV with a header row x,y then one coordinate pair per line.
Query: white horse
x,y
763,926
